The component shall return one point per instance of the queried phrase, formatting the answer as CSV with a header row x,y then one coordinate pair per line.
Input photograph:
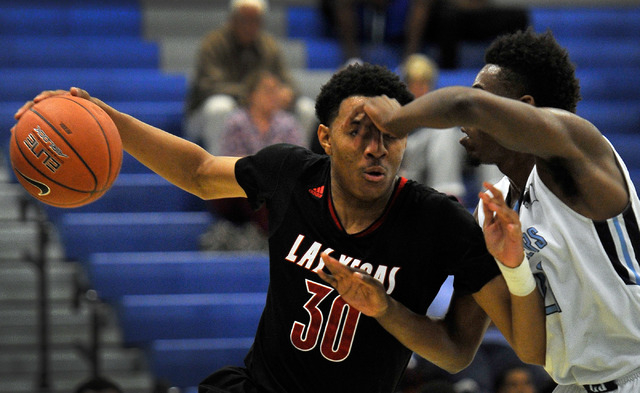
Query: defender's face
x,y
365,161
480,147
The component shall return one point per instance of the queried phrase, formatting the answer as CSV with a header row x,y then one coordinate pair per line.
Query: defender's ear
x,y
528,99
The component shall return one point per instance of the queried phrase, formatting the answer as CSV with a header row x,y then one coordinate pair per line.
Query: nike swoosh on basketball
x,y
44,189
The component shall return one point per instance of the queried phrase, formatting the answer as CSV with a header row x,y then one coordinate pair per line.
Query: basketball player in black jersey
x,y
351,205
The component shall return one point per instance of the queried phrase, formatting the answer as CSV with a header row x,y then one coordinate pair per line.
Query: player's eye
x,y
390,138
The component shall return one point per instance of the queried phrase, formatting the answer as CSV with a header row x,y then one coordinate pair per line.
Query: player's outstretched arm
x,y
511,300
450,343
181,162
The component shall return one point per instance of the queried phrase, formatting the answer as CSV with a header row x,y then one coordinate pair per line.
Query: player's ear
x,y
528,99
324,138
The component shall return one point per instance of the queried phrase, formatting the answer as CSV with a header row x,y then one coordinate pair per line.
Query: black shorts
x,y
228,380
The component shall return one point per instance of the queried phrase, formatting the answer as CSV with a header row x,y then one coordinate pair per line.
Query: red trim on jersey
x,y
332,211
399,186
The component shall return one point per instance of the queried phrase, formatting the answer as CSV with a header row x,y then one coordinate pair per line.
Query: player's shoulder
x,y
288,157
287,150
429,200
426,194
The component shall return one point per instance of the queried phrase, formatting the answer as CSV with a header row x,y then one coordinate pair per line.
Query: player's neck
x,y
356,215
518,169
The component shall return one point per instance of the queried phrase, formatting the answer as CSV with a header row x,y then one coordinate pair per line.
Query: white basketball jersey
x,y
589,275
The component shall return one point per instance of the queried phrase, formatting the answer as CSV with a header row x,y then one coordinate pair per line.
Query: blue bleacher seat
x,y
612,117
109,84
610,52
131,165
137,192
166,115
306,23
144,318
78,52
618,83
85,233
628,146
323,54
177,273
588,22
66,20
187,362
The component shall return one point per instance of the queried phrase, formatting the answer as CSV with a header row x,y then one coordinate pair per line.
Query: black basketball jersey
x,y
309,339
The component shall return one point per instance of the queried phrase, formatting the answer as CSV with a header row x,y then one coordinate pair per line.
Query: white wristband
x,y
519,279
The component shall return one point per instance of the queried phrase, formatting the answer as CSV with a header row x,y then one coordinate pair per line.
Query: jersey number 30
x,y
337,333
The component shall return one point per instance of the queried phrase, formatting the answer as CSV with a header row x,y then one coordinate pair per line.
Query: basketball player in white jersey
x,y
578,209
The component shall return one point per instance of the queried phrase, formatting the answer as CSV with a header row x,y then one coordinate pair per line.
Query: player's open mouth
x,y
374,174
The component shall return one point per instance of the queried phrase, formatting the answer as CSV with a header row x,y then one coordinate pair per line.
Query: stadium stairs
x,y
132,257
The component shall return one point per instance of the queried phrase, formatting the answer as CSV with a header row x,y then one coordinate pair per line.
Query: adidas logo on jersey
x,y
317,192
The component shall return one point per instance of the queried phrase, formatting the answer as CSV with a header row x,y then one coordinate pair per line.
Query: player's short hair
x,y
537,65
366,80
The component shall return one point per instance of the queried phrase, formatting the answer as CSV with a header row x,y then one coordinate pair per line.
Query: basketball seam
x,y
95,178
103,136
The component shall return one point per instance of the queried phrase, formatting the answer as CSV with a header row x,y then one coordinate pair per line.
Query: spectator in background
x,y
515,380
411,23
448,22
258,123
356,21
226,56
433,157
437,386
98,385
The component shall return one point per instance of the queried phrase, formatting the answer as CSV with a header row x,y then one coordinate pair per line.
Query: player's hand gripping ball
x,y
66,151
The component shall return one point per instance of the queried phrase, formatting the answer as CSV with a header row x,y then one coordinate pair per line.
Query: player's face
x,y
365,161
482,148
266,97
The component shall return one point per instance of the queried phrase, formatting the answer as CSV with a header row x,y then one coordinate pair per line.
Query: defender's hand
x,y
501,226
357,288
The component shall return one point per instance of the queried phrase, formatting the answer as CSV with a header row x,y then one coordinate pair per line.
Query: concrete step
x,y
13,199
170,18
26,316
20,280
20,325
310,81
65,382
25,363
20,238
178,53
59,334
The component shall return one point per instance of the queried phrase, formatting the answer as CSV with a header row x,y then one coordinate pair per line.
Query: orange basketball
x,y
66,151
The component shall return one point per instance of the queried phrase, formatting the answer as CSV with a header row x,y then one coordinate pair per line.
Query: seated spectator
x,y
413,23
446,23
515,380
355,22
433,157
226,56
258,123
